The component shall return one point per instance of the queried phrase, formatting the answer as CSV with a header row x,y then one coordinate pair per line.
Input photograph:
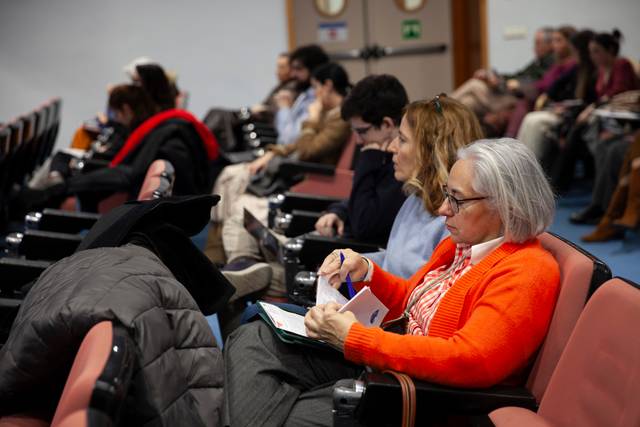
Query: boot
x,y
631,216
605,229
604,232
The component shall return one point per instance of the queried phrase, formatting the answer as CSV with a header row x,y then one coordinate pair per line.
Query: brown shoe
x,y
604,232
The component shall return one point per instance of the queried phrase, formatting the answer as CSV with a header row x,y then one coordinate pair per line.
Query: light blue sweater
x,y
414,235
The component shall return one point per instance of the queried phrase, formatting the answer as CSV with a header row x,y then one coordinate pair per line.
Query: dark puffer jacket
x,y
179,377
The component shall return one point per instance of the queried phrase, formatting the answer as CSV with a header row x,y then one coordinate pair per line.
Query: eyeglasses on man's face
x,y
361,130
457,203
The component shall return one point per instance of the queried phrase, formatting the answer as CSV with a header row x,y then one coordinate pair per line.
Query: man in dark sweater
x,y
374,110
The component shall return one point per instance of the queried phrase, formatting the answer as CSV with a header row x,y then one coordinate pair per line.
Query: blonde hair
x,y
439,127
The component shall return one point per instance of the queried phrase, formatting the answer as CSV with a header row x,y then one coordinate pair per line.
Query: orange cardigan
x,y
486,328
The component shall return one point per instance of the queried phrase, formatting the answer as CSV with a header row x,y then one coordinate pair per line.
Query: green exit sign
x,y
411,29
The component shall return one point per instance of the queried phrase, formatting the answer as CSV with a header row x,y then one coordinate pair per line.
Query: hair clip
x,y
436,102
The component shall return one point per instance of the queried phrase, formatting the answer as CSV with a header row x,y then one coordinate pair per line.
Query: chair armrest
x,y
17,272
235,157
306,202
8,311
90,165
62,221
301,222
291,168
381,400
316,248
48,245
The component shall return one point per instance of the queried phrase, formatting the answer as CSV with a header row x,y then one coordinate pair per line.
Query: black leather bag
x,y
271,181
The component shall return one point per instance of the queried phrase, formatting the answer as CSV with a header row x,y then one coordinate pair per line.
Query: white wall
x,y
224,51
509,55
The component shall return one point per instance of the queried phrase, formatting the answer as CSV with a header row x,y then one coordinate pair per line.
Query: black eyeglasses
x,y
363,130
456,203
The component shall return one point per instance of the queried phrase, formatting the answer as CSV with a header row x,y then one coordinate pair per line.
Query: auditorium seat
x,y
336,184
597,379
41,241
97,385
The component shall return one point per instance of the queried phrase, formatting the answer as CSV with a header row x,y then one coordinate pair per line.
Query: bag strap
x,y
408,390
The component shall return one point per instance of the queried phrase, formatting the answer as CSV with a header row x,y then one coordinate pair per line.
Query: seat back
x,y
580,274
158,182
337,185
597,380
100,374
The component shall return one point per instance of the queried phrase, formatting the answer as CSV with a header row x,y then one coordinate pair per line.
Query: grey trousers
x,y
609,156
270,383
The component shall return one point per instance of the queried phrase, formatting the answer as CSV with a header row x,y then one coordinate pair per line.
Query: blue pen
x,y
352,292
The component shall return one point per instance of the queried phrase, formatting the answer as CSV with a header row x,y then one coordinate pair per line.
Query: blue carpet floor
x,y
622,256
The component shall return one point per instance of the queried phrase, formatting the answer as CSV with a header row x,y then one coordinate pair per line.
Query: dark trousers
x,y
564,165
609,157
271,383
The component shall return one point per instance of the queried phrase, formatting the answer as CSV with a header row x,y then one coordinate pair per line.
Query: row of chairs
x,y
584,374
25,143
52,235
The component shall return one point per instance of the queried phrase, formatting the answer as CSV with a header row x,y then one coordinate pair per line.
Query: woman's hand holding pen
x,y
336,271
325,323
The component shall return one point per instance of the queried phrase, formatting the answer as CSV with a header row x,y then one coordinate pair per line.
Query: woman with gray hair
x,y
473,316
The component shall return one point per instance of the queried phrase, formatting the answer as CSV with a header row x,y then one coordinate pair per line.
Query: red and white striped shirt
x,y
425,298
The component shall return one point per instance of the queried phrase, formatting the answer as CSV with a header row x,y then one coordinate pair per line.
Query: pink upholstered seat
x,y
576,271
89,363
337,185
597,379
158,180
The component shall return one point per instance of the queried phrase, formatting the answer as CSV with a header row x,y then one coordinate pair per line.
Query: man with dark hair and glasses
x,y
374,110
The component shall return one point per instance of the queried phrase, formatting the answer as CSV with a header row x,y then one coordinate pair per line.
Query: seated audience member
x,y
491,271
113,133
610,151
266,110
225,123
623,211
488,91
374,110
615,75
155,81
139,106
564,60
576,85
322,139
158,84
423,152
173,135
292,108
